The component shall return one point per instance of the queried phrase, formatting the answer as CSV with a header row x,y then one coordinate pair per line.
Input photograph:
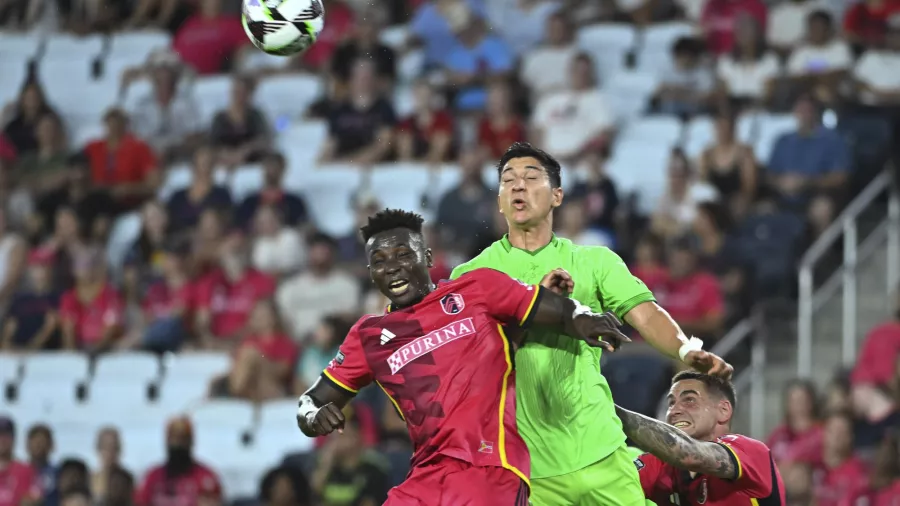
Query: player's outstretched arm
x,y
677,448
576,320
319,412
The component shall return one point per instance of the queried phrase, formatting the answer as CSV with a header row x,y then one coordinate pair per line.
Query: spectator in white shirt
x,y
278,250
544,68
877,72
321,290
167,118
569,122
822,61
677,208
747,74
787,23
686,83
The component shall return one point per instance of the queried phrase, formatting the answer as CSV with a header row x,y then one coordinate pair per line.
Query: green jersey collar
x,y
554,241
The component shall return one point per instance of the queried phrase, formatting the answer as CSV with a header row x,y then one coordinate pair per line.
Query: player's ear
x,y
429,258
499,206
557,197
724,412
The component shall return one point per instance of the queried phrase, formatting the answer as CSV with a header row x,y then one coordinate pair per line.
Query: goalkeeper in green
x,y
565,410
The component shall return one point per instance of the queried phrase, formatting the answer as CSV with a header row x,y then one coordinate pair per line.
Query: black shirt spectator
x,y
240,132
31,321
291,207
364,44
466,213
29,108
185,206
94,207
598,193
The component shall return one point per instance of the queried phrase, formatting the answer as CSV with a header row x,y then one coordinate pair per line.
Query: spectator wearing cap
x,y
691,295
877,72
19,485
477,58
121,162
92,311
227,295
13,258
346,472
168,304
167,116
32,321
185,206
94,205
181,479
263,365
321,290
278,250
291,206
426,134
39,445
811,159
209,38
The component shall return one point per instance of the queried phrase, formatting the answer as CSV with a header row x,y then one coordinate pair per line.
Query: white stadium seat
x,y
125,230
127,366
143,446
771,127
199,366
401,186
328,191
301,143
20,45
653,129
608,43
231,413
66,366
640,167
629,92
47,396
78,440
278,413
244,181
84,132
182,394
656,44
699,134
10,369
213,94
13,71
111,395
287,96
137,45
394,37
64,47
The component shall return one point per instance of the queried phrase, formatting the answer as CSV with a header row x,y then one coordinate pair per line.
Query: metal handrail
x,y
846,227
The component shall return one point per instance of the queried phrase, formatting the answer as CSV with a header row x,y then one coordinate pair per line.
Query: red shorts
x,y
453,482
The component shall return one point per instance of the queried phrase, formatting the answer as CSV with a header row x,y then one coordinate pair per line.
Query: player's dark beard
x,y
178,461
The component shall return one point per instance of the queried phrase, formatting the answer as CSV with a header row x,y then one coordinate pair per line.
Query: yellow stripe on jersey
x,y
396,406
537,291
501,438
740,469
339,383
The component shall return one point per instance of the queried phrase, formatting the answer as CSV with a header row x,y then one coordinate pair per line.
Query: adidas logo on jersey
x,y
386,335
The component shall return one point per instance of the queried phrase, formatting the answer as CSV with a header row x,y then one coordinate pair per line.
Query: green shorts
x,y
613,481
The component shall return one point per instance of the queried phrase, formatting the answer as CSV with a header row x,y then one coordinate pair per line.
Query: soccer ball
x,y
283,27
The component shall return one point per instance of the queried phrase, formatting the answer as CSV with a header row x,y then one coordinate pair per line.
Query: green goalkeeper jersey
x,y
564,408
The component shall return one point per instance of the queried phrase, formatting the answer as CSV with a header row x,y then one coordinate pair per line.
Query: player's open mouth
x,y
519,204
399,286
681,425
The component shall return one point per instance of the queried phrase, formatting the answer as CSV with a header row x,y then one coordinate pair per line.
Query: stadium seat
x,y
656,44
411,65
64,47
65,366
401,186
607,43
273,443
287,96
182,394
125,230
13,71
404,102
395,37
213,94
277,413
10,369
20,45
244,181
143,446
47,396
699,134
652,129
640,167
771,127
137,45
449,178
301,143
109,394
196,366
78,440
328,192
135,92
629,92
127,366
228,413
84,132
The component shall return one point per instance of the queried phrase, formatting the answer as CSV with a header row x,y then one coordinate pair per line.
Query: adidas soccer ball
x,y
283,27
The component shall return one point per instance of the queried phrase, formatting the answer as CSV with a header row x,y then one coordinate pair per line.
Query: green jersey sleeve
x,y
471,265
618,289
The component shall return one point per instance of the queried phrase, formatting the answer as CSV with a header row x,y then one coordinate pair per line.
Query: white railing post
x,y
893,245
758,385
849,316
804,322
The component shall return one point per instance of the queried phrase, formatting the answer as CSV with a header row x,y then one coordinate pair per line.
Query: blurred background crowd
x,y
178,249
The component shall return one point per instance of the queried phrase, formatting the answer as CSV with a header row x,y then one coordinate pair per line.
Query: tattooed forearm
x,y
677,448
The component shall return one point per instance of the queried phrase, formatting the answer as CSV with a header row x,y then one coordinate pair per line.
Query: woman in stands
x,y
24,115
730,166
799,438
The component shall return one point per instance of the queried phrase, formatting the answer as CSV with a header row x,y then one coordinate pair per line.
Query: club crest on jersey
x,y
429,342
453,303
486,447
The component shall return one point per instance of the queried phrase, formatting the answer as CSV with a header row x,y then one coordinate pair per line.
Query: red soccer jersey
x,y
839,485
92,318
18,483
230,303
758,482
446,365
183,490
789,446
162,301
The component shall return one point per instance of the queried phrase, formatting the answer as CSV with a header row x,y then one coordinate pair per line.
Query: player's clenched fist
x,y
599,330
321,421
559,281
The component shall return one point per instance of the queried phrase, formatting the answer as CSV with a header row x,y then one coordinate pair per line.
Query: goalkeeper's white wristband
x,y
692,344
580,309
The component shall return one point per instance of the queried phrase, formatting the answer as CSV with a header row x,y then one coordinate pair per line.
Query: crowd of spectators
x,y
256,278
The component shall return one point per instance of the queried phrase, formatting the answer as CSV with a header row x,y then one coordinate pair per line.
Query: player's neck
x,y
531,238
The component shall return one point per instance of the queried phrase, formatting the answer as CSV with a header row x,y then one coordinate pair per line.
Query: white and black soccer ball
x,y
283,27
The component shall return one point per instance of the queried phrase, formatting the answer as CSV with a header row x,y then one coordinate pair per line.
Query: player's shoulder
x,y
591,250
743,443
480,277
487,256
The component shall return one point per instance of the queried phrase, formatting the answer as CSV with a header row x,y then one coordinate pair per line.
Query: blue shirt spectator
x,y
32,321
476,58
430,25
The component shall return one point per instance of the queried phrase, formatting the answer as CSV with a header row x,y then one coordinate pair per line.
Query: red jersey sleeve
x,y
68,307
655,477
755,467
508,300
350,370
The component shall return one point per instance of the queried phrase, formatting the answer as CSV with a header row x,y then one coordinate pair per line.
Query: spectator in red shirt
x,y
264,363
885,484
880,351
648,263
500,126
180,480
227,296
842,476
18,483
209,38
122,162
718,21
427,133
691,295
799,438
865,22
92,312
168,304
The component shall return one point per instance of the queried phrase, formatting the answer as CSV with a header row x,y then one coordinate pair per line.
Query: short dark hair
x,y
322,238
38,429
821,15
299,483
526,150
77,465
389,219
715,384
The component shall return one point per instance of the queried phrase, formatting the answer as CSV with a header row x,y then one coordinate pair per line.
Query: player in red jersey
x,y
693,459
441,355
